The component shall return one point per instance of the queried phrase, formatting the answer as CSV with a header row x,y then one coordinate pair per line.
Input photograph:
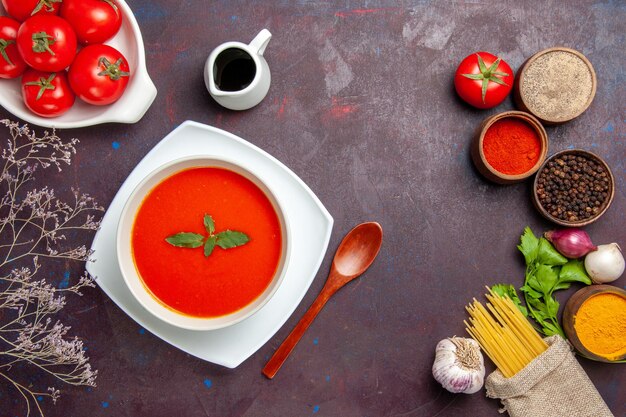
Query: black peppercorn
x,y
573,187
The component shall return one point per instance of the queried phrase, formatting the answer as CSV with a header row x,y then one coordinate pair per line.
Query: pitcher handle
x,y
259,43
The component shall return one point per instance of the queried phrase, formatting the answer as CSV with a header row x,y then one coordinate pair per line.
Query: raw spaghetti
x,y
504,334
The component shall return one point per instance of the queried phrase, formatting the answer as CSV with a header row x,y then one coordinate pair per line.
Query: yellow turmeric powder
x,y
601,325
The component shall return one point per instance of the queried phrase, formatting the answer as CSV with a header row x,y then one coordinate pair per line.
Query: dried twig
x,y
33,224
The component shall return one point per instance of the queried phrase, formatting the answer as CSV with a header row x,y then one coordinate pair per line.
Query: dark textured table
x,y
363,109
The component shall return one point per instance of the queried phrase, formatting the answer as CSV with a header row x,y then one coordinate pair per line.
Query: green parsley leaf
x,y
185,240
550,329
529,245
231,239
574,271
532,293
548,255
561,285
506,290
547,278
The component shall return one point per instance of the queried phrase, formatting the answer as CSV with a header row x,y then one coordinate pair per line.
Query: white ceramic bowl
x,y
132,277
136,100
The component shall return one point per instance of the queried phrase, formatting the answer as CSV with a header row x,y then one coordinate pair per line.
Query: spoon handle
x,y
282,353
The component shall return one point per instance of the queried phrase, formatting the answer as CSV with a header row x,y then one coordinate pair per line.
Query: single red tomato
x,y
11,63
47,94
47,43
23,9
99,74
483,80
94,21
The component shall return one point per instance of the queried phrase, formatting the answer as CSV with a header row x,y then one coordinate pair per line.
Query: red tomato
x,y
47,43
94,21
47,94
23,9
483,80
11,63
99,74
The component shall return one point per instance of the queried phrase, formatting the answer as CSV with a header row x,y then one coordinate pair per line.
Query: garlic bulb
x,y
459,365
605,264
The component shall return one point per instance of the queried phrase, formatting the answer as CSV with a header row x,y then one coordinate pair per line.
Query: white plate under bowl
x,y
131,107
310,225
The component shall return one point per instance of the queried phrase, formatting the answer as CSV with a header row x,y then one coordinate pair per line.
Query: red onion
x,y
571,243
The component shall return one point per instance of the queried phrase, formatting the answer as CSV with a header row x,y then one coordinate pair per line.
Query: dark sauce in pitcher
x,y
234,70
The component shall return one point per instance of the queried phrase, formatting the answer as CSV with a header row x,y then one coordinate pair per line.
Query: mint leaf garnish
x,y
227,239
209,245
186,240
230,239
209,224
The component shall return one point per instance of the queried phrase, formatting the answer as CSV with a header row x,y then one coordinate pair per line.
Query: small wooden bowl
x,y
478,154
569,317
603,208
521,101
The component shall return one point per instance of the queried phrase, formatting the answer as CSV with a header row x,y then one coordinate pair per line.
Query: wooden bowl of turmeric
x,y
509,147
594,320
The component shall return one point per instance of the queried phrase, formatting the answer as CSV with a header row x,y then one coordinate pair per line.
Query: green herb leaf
x,y
552,306
529,245
209,245
547,278
538,309
231,239
209,224
550,329
185,240
548,255
506,290
530,292
534,283
225,240
561,285
574,271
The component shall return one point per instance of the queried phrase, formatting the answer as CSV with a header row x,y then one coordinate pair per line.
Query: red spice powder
x,y
511,146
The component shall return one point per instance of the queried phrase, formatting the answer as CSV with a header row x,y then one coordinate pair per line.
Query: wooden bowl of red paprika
x,y
509,147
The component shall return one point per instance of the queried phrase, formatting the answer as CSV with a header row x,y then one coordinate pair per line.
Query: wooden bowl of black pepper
x,y
573,188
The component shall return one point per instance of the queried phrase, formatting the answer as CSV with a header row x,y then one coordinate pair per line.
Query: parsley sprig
x,y
546,271
226,240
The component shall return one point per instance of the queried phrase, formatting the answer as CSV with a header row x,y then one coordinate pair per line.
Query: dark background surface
x,y
363,109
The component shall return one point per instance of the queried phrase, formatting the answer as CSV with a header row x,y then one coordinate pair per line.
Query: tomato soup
x,y
183,279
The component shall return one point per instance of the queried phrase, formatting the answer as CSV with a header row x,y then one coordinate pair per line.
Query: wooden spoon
x,y
355,254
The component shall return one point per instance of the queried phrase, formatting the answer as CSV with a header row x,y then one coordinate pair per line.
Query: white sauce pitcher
x,y
237,75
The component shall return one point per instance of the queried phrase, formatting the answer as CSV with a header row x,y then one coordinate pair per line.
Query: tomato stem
x,y
42,42
43,84
112,71
47,3
487,74
3,46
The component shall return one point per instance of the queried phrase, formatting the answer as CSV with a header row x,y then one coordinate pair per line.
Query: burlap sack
x,y
552,385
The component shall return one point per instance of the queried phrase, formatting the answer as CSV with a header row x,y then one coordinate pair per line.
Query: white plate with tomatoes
x,y
114,67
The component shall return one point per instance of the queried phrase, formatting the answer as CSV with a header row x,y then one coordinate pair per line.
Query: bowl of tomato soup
x,y
203,243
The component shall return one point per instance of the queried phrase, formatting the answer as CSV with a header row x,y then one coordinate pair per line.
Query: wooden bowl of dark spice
x,y
509,147
573,188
